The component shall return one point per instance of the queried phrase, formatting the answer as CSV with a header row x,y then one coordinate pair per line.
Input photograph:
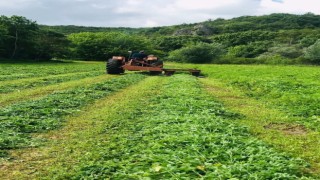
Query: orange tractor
x,y
138,61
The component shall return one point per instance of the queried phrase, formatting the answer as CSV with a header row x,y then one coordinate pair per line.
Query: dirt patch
x,y
290,129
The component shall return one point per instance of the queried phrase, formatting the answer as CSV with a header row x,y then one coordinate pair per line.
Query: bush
x,y
312,53
250,50
198,53
270,58
286,51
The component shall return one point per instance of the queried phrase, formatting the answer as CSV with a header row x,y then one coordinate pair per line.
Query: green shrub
x,y
250,50
198,53
287,51
313,53
270,58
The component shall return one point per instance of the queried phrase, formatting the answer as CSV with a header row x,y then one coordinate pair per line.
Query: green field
x,y
72,121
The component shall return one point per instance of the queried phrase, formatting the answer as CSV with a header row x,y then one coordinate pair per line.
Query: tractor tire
x,y
114,67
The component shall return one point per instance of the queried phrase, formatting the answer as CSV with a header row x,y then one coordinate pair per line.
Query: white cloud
x,y
151,23
99,6
18,4
139,13
202,4
290,6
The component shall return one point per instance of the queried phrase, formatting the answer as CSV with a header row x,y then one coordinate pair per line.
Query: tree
x,y
313,52
103,45
286,51
20,36
243,38
198,53
251,50
170,43
51,44
3,37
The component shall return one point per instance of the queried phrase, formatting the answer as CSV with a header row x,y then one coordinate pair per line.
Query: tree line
x,y
21,38
275,38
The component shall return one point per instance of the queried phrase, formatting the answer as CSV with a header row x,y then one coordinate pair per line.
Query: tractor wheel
x,y
114,67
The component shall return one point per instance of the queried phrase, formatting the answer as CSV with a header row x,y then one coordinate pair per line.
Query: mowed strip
x,y
40,78
81,135
16,71
13,86
162,128
35,93
271,125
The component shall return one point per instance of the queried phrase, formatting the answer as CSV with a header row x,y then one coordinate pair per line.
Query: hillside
x,y
272,22
272,39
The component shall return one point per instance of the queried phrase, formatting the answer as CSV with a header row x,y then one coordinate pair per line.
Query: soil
x,y
290,129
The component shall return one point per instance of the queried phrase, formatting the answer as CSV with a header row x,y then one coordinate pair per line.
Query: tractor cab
x,y
138,55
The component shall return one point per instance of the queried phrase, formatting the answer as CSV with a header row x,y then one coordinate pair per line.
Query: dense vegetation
x,y
273,39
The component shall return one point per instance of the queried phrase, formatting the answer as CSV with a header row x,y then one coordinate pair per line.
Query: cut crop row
x,y
44,81
38,92
19,120
19,71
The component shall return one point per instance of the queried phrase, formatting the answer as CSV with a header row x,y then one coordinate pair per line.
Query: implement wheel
x,y
114,67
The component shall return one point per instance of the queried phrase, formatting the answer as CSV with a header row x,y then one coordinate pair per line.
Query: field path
x,y
159,128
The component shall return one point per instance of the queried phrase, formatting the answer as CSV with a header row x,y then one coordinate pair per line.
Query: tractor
x,y
138,61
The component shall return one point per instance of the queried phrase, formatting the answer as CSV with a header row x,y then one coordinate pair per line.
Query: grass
x,y
60,156
14,71
174,130
240,122
280,103
44,114
271,125
35,93
18,85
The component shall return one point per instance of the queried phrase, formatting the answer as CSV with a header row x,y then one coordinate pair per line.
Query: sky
x,y
147,13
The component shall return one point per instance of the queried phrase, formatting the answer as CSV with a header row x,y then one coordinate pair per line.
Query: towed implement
x,y
138,61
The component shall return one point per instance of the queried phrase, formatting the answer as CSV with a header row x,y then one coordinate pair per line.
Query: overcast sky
x,y
147,13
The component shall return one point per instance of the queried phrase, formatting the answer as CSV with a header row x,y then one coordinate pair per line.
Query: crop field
x,y
73,121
